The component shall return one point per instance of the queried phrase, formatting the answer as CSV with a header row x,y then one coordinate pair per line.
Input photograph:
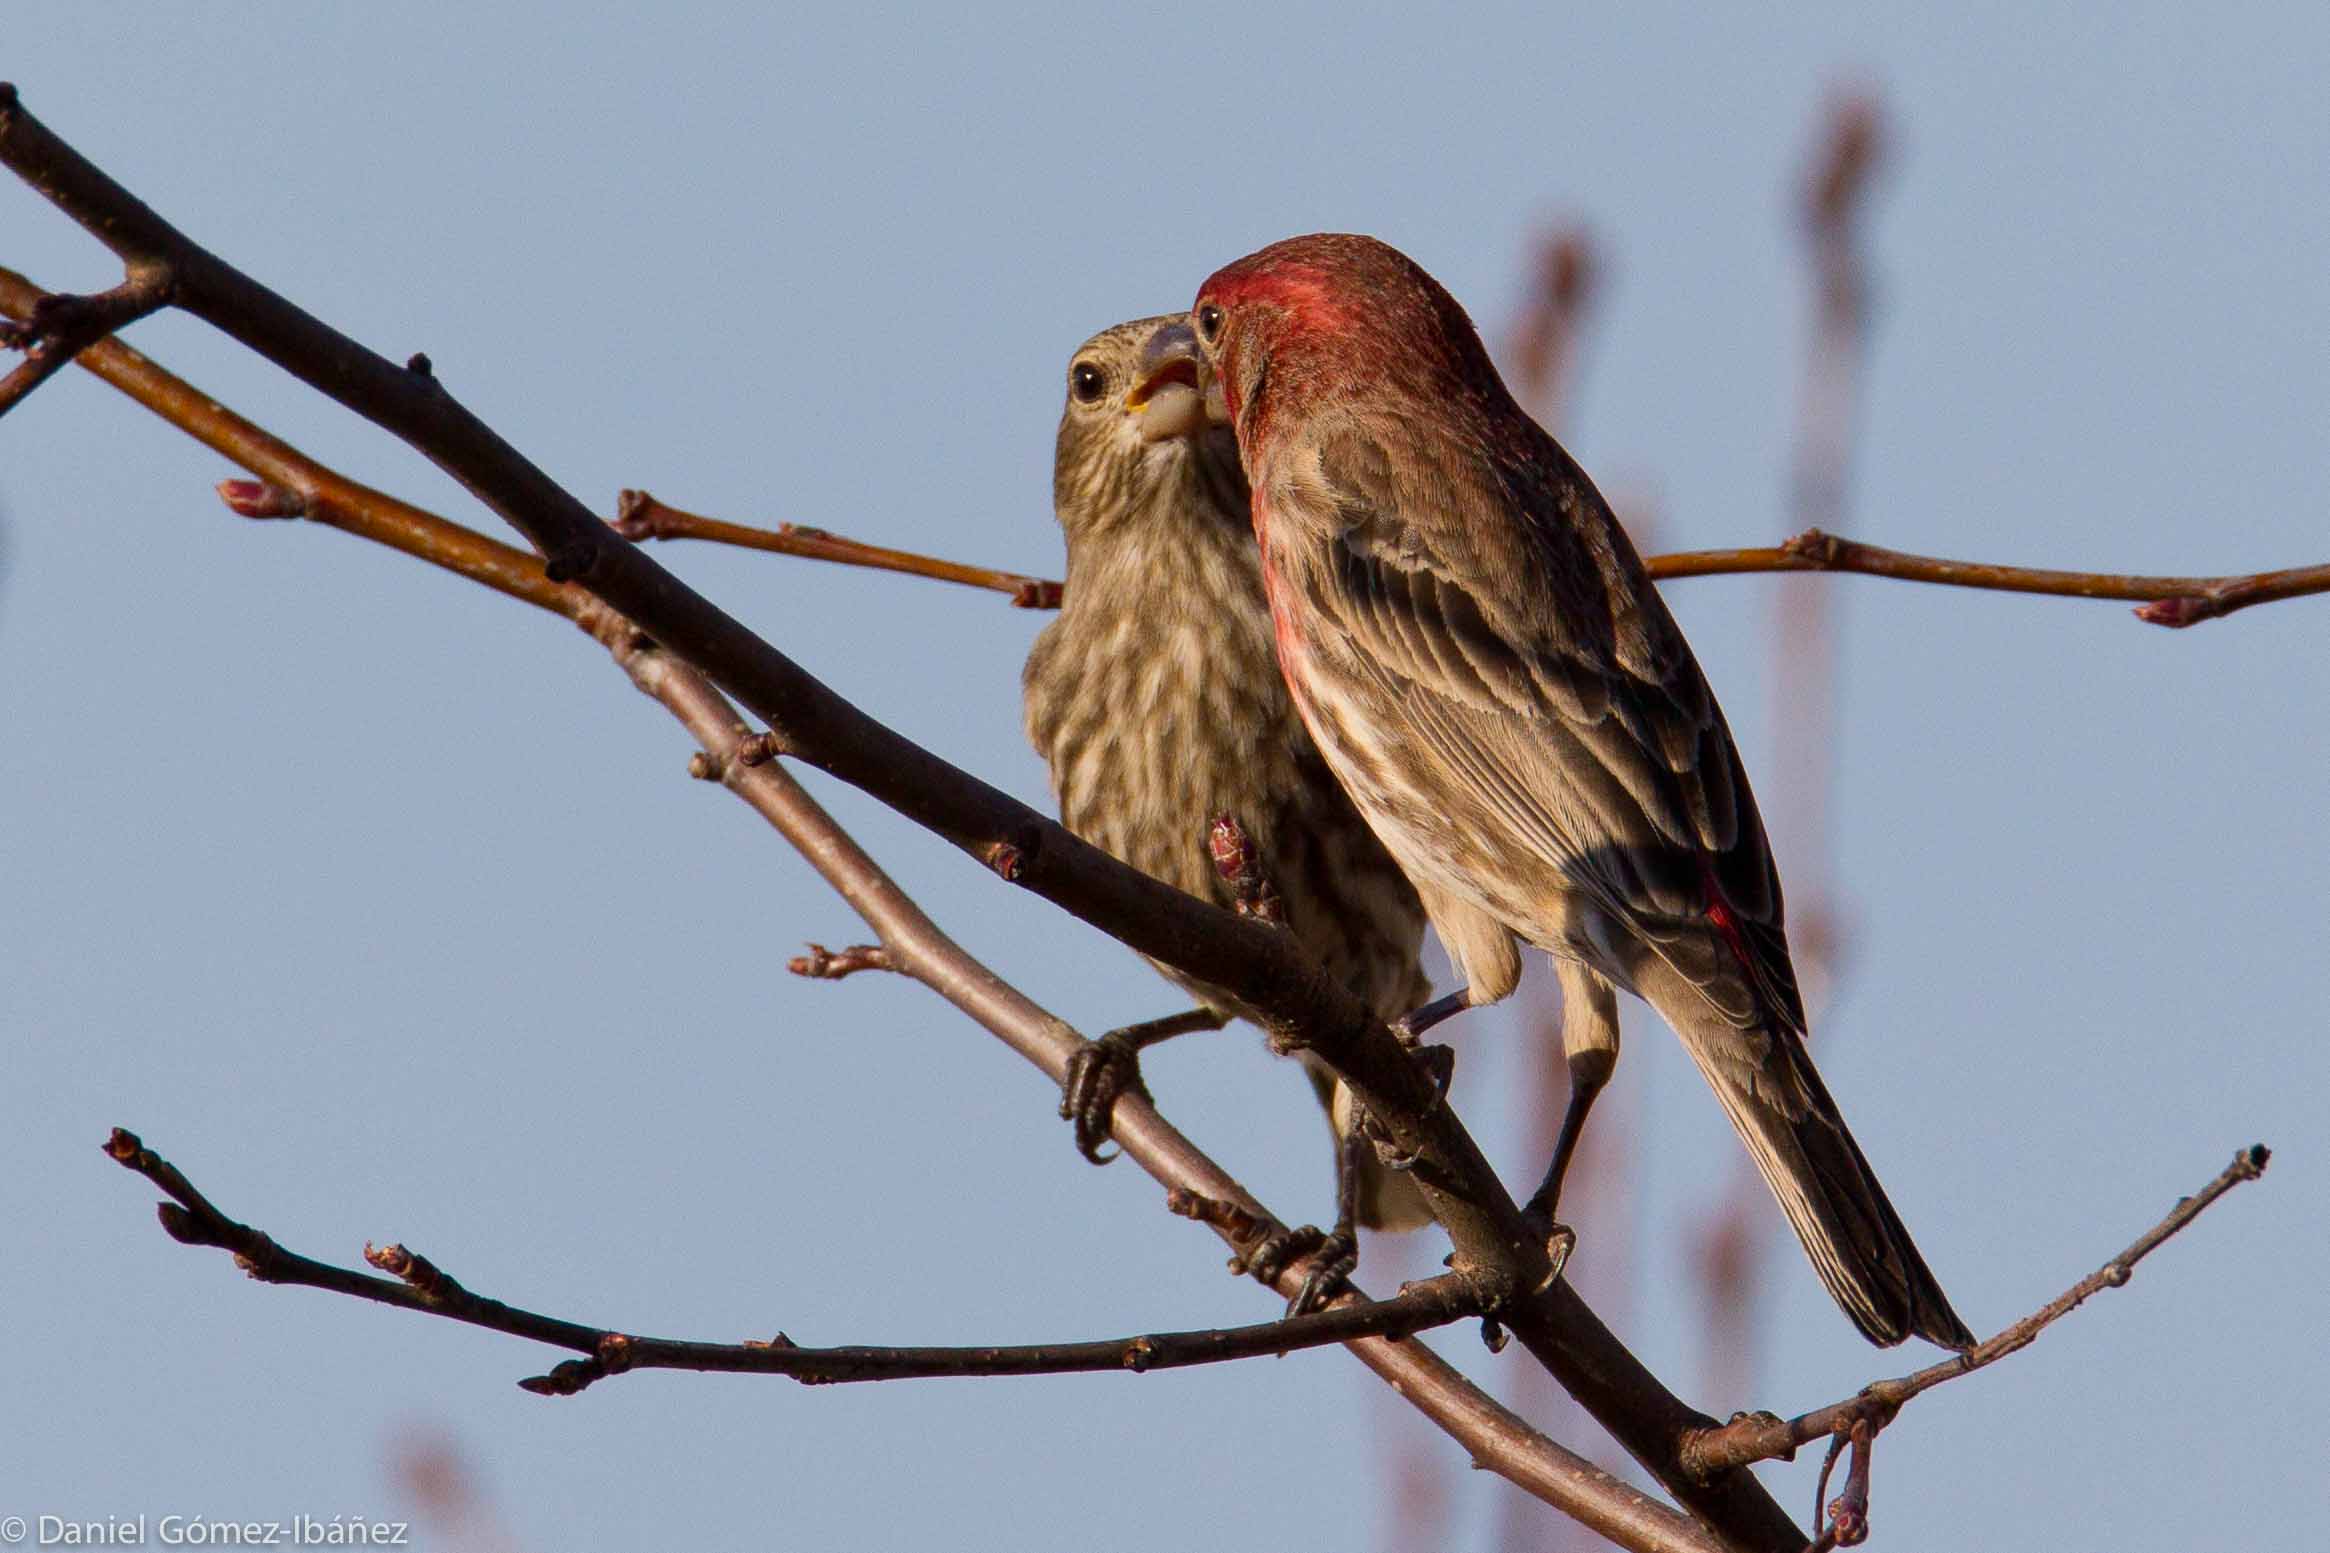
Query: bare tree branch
x,y
2168,601
1760,1436
2174,601
417,1284
639,516
1299,1004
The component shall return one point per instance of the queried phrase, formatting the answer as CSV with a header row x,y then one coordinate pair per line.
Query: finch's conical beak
x,y
1176,395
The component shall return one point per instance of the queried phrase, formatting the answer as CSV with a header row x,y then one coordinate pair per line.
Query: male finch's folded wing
x,y
1561,699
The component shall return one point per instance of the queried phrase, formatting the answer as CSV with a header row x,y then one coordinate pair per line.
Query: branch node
x,y
635,515
58,326
1139,1354
823,964
756,749
423,1276
1224,1215
704,766
572,560
1006,859
1816,546
257,1256
1036,593
419,365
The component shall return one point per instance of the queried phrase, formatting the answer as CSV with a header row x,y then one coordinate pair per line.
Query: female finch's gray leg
x,y
1334,1254
1589,1038
1104,1069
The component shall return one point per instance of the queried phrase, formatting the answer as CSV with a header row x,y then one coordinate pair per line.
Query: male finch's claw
x,y
1560,1241
1333,1257
1331,1267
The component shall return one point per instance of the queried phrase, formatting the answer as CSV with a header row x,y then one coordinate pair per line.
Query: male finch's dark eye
x,y
1209,323
1086,381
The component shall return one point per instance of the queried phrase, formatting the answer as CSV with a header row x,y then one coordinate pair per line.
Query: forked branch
x,y
1762,1437
415,1283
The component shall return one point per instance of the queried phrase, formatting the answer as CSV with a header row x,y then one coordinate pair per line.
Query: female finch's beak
x,y
1176,395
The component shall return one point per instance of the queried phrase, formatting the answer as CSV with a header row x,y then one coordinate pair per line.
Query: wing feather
x,y
1561,693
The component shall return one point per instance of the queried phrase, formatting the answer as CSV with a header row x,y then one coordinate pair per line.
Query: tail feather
x,y
1800,1144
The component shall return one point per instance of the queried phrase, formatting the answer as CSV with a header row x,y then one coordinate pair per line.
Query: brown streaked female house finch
x,y
1156,701
1475,646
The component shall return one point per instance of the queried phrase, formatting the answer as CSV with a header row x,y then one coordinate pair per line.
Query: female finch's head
x,y
1332,312
1142,424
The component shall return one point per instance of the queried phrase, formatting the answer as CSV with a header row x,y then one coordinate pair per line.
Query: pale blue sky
x,y
385,909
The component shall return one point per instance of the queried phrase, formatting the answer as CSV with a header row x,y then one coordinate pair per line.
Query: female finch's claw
x,y
1103,1070
1099,1072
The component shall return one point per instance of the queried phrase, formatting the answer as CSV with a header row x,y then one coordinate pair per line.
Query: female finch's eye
x,y
1209,322
1086,381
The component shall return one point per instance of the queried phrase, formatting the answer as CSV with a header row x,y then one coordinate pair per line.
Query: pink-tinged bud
x,y
258,499
2177,613
1234,855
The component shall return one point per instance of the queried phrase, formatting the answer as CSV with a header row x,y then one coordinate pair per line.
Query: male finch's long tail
x,y
1798,1139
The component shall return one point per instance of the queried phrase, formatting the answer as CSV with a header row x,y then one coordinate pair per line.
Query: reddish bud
x,y
2177,613
259,499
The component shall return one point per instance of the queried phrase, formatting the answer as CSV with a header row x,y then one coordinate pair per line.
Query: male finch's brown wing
x,y
1565,740
1506,613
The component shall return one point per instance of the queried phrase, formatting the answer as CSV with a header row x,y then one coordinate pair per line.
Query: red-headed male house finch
x,y
1475,646
1156,701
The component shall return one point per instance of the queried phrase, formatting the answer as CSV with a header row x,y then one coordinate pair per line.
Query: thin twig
x,y
639,516
1762,1437
414,1283
1292,996
2167,601
1495,1438
2174,601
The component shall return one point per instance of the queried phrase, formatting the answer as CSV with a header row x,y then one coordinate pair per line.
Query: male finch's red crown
x,y
1338,300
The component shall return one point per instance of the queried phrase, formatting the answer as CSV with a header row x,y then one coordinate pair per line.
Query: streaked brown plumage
x,y
1474,643
1155,696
